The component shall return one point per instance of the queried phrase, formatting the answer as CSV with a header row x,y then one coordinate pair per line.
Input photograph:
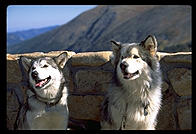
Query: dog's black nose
x,y
124,65
34,74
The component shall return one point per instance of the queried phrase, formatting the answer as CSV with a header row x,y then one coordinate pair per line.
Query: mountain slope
x,y
93,29
170,24
19,36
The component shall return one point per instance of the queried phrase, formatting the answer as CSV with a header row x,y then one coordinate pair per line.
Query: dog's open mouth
x,y
43,82
130,75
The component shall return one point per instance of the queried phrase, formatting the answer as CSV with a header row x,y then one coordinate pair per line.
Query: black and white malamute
x,y
134,97
46,106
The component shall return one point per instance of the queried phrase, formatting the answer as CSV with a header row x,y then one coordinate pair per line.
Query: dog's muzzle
x,y
127,75
34,75
39,82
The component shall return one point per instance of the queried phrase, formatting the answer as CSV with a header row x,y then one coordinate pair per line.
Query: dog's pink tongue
x,y
41,83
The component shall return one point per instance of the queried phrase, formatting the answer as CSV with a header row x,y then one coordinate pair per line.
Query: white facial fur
x,y
44,72
133,59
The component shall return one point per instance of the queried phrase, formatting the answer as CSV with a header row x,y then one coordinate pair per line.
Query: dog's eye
x,y
45,66
135,56
122,57
33,68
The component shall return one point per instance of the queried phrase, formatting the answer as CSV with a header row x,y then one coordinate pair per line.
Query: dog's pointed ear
x,y
150,44
115,45
61,59
26,62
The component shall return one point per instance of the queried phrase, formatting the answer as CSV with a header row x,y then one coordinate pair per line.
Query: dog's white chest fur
x,y
140,116
43,116
132,107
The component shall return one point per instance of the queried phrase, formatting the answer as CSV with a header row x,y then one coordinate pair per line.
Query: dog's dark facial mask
x,y
40,72
39,69
130,58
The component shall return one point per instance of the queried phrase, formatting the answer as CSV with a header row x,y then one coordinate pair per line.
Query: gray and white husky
x,y
134,97
46,105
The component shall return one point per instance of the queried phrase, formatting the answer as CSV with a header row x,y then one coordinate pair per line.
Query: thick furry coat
x,y
134,97
46,105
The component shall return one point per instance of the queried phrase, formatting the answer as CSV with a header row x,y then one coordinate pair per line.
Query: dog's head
x,y
45,75
131,60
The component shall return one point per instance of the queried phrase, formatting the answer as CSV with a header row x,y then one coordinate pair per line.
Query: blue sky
x,y
23,17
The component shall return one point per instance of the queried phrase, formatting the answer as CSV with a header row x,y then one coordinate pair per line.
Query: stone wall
x,y
89,74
